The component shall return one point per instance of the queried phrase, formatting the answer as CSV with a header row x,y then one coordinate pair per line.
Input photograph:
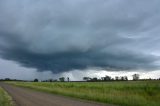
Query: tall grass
x,y
131,93
5,99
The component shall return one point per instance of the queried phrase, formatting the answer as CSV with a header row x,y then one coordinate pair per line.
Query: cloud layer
x,y
64,35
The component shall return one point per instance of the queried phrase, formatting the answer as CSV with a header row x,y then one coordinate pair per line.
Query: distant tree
x,y
94,79
68,79
86,78
116,78
135,76
126,78
62,79
7,79
35,80
122,78
106,78
50,80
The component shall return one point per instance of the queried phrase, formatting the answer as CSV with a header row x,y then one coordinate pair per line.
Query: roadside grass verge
x,y
128,93
5,99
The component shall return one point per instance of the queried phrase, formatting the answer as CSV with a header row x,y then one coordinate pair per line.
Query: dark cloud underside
x,y
64,35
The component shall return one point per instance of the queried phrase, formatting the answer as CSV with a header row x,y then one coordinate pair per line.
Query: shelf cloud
x,y
60,35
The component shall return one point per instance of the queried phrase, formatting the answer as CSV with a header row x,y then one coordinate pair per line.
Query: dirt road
x,y
27,97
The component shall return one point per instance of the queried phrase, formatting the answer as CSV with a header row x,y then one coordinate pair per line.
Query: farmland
x,y
122,93
5,99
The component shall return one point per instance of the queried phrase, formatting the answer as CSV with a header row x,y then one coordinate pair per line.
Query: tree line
x,y
135,77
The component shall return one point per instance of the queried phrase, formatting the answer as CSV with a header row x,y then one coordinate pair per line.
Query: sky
x,y
76,38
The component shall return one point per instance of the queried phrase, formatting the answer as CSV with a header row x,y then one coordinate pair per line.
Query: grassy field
x,y
5,99
131,93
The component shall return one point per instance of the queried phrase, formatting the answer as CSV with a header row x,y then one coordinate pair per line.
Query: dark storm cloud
x,y
65,35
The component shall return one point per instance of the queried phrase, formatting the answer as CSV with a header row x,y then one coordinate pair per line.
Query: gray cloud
x,y
64,35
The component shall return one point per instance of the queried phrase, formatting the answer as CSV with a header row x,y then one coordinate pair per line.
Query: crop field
x,y
122,93
5,99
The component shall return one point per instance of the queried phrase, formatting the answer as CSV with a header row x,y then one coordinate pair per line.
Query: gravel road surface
x,y
27,97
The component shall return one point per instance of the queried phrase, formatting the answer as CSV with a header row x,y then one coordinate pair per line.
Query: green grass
x,y
5,99
131,93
